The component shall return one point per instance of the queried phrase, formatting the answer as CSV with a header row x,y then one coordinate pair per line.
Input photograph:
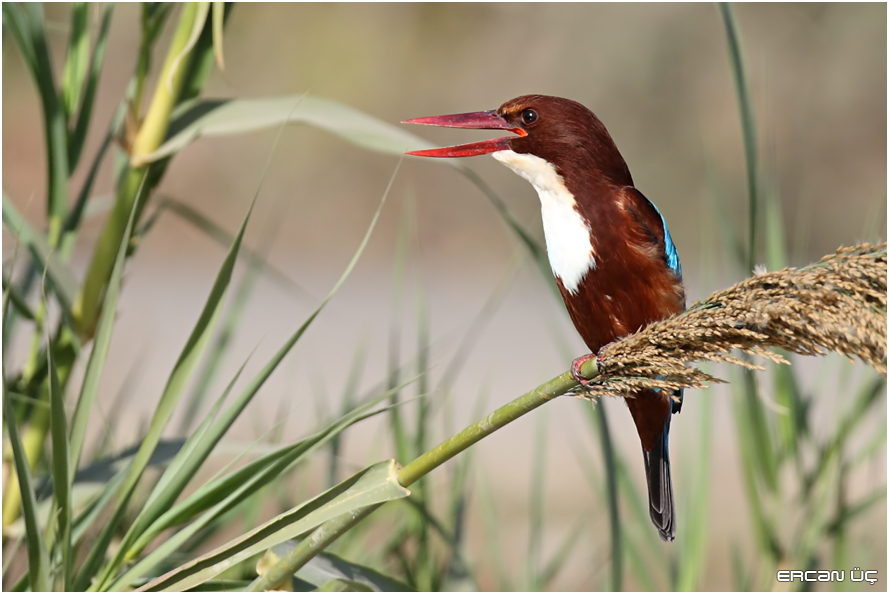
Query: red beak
x,y
480,120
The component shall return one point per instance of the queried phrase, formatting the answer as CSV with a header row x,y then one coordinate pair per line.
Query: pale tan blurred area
x,y
656,74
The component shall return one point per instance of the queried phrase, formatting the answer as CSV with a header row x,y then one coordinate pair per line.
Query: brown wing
x,y
632,283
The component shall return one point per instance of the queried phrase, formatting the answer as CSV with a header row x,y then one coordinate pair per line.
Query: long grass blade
x,y
89,389
257,382
201,13
38,557
16,23
221,495
61,471
181,470
393,345
326,567
17,300
77,59
62,281
370,487
869,395
54,123
242,292
223,117
348,404
86,95
84,207
218,21
748,127
182,372
203,57
87,518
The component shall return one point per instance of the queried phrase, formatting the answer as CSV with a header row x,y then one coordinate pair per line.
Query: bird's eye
x,y
529,116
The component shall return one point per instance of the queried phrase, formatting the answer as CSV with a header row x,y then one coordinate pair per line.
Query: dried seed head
x,y
837,304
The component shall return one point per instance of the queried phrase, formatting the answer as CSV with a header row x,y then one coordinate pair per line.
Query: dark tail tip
x,y
660,489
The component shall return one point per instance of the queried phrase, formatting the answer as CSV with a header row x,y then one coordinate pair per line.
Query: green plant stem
x,y
327,533
157,120
494,421
149,137
748,126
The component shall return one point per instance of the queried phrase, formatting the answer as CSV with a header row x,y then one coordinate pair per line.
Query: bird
x,y
609,248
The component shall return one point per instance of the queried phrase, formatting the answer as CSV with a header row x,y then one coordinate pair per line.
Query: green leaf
x,y
398,431
326,567
748,126
85,207
216,498
342,585
38,558
225,117
15,22
92,486
182,371
374,485
77,60
273,364
78,134
218,23
183,467
849,512
95,497
219,429
63,282
220,495
17,300
202,60
868,395
753,422
89,389
55,123
61,471
203,9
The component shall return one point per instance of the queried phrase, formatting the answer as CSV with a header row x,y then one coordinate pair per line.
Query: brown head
x,y
560,131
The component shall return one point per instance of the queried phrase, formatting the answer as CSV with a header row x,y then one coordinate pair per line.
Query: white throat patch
x,y
568,240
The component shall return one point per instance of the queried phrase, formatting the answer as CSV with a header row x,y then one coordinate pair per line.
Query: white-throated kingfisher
x,y
609,248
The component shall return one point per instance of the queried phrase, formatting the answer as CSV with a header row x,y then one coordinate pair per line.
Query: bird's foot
x,y
578,363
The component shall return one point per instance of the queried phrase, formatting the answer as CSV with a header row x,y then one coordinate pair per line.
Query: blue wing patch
x,y
672,254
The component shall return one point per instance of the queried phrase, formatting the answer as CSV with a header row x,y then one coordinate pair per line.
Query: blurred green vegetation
x,y
206,507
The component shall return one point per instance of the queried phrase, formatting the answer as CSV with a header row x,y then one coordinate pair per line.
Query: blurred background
x,y
657,75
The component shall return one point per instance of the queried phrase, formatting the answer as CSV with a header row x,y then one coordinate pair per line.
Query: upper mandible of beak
x,y
479,120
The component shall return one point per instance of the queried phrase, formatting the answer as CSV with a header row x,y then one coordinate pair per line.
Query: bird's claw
x,y
579,362
577,375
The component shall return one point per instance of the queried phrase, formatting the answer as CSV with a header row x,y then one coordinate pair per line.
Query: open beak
x,y
480,120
